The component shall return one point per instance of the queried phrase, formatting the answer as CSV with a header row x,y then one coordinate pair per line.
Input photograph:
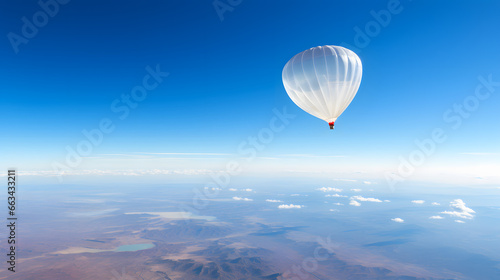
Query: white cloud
x,y
335,195
436,217
387,200
418,201
460,210
356,190
247,190
458,214
329,189
367,182
232,189
436,203
370,199
242,198
354,203
334,210
460,221
398,220
290,206
338,203
213,189
273,200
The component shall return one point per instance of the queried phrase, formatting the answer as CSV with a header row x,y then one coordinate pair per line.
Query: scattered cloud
x,y
436,203
338,203
213,189
335,195
398,220
232,189
387,200
418,201
329,189
290,206
356,190
460,210
334,210
370,199
460,221
242,198
436,217
296,194
273,200
247,190
354,203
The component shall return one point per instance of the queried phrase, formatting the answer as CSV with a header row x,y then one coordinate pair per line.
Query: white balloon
x,y
323,80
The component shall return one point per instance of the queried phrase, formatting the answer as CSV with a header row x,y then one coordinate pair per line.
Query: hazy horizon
x,y
178,139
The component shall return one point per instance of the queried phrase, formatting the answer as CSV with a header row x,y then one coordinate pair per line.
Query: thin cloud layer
x,y
344,180
356,190
335,195
96,172
213,189
329,189
418,201
290,206
273,200
242,198
436,217
370,199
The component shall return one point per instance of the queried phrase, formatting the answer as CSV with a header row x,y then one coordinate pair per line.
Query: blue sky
x,y
225,80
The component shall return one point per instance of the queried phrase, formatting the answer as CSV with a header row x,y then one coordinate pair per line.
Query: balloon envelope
x,y
323,80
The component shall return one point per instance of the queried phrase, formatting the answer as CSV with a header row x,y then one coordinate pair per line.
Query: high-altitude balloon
x,y
323,80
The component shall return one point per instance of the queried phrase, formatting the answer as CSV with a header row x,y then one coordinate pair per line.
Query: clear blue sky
x,y
225,79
